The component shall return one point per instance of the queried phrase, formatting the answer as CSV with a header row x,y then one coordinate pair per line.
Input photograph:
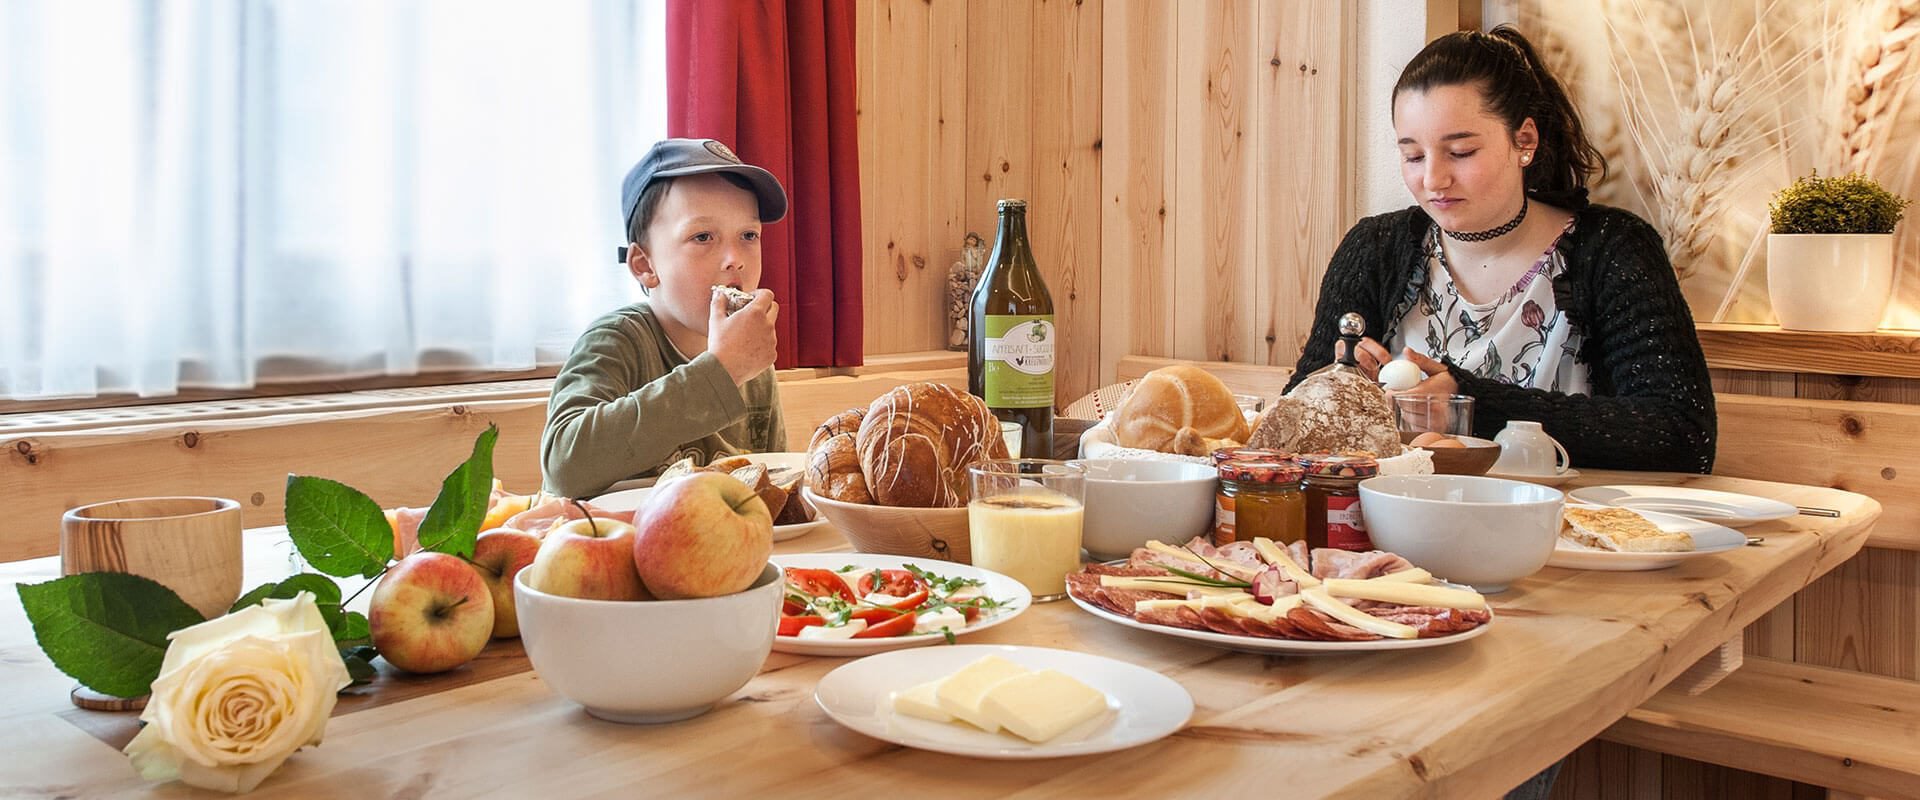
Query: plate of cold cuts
x,y
1263,597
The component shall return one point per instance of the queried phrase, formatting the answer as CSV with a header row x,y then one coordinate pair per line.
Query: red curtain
x,y
774,80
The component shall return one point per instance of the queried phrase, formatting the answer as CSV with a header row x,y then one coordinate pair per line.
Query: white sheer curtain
x,y
217,194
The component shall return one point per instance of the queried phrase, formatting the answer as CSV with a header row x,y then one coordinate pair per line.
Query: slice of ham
x,y
406,530
1271,584
1298,550
1434,622
552,513
1145,558
1330,562
1086,586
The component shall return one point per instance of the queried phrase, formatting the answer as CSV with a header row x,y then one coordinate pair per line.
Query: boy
x,y
680,374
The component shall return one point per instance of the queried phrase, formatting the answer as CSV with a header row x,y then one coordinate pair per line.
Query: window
x,y
217,195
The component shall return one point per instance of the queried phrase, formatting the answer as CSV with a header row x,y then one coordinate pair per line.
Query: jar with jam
x,y
1259,498
1331,487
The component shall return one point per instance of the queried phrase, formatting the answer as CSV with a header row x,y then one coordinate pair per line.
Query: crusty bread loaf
x,y
833,470
847,421
1332,412
1179,409
918,440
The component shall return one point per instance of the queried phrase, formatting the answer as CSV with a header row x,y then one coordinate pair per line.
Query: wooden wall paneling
x,y
1860,447
1064,218
1306,199
1138,246
1000,93
1864,615
912,126
1853,387
1740,381
1217,104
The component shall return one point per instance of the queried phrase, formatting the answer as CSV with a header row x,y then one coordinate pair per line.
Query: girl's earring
x,y
1526,158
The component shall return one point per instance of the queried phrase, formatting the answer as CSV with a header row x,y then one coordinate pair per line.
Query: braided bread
x,y
847,421
833,469
918,440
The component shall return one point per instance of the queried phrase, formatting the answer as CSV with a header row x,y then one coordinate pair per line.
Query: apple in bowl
x,y
704,535
589,559
431,612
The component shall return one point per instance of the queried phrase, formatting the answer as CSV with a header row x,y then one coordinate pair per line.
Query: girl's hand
x,y
1438,382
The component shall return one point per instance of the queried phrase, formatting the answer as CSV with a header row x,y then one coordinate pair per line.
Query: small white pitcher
x,y
1526,449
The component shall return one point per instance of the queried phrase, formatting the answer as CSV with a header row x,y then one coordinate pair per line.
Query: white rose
x,y
237,694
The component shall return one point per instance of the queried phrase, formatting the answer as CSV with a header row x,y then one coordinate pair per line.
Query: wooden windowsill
x,y
1767,348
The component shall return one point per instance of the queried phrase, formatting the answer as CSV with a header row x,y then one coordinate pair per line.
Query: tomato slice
x,y
791,607
819,583
893,627
911,602
790,626
896,582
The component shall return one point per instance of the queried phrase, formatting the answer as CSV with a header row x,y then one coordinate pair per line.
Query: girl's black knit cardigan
x,y
1652,401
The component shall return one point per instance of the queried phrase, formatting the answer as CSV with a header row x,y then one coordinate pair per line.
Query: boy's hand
x,y
745,340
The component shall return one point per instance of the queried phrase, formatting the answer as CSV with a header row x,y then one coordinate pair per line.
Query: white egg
x,y
1400,375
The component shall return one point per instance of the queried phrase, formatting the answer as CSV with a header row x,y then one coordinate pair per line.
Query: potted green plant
x,y
1830,253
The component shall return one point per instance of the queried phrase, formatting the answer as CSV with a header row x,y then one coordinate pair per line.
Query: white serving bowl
x,y
1130,501
649,660
1485,532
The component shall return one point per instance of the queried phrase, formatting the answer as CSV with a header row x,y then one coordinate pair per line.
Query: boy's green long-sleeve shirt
x,y
627,404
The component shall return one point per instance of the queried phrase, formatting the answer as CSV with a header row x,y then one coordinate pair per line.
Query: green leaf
x,y
453,521
108,630
359,661
352,630
325,591
338,530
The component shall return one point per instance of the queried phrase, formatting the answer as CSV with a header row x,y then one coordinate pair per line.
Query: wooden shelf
x,y
1767,348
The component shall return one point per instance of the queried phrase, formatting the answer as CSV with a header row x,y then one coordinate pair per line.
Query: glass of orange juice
x,y
1024,521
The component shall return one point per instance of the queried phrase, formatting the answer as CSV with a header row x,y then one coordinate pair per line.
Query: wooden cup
x,y
188,544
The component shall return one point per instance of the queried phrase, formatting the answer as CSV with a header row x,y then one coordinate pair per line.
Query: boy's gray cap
x,y
676,158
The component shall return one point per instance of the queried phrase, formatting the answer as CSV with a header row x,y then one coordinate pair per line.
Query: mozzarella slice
x,y
824,633
944,618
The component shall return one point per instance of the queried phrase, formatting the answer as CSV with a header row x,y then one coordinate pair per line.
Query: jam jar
x,y
1259,498
1331,487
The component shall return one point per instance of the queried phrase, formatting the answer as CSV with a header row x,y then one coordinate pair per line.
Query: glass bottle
x,y
1012,339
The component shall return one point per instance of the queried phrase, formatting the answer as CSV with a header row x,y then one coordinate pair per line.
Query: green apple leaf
x,y
324,590
338,530
453,521
352,630
108,630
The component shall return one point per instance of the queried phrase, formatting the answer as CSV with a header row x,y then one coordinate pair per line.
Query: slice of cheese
x,y
1038,706
1406,594
1318,598
1278,556
920,701
961,692
1268,613
1172,584
1224,600
1415,575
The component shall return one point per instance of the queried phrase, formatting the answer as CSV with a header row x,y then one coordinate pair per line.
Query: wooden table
x,y
1570,653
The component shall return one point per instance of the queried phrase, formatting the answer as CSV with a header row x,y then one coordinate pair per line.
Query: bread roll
x,y
917,441
847,421
1179,409
833,470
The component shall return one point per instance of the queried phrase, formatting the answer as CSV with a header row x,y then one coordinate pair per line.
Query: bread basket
x,y
937,533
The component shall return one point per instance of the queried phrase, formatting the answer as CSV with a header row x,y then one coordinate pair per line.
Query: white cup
x,y
1526,449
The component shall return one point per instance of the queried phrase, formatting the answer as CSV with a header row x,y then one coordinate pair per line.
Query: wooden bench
x,y
1844,730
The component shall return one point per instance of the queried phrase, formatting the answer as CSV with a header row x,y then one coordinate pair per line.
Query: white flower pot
x,y
1829,281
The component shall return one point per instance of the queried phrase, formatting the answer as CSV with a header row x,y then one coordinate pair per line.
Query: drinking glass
x,y
1025,519
1451,414
1250,404
1010,431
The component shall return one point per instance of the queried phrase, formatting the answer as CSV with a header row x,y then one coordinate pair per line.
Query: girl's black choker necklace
x,y
1491,233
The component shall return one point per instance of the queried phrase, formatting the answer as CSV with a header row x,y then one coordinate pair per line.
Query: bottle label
x,y
1223,519
1017,356
1346,528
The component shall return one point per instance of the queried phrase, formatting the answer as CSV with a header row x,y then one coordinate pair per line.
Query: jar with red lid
x,y
1331,490
1226,454
1259,498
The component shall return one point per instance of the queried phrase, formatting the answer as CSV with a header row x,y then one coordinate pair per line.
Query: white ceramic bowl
x,y
1486,532
649,661
1130,501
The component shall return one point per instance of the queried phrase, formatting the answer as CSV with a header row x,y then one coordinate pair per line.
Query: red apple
x,y
704,535
591,559
500,554
431,612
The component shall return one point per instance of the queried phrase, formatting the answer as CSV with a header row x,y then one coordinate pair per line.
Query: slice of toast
x,y
728,464
1622,531
755,477
796,510
679,469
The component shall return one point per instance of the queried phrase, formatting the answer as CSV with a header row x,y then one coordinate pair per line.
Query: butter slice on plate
x,y
1041,705
921,701
961,692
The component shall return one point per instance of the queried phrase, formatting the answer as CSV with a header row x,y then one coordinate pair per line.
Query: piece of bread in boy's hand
x,y
736,299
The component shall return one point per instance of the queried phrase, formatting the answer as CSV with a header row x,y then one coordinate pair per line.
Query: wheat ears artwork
x,y
1704,108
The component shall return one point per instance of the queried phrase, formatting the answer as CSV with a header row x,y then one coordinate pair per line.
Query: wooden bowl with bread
x,y
893,476
1455,454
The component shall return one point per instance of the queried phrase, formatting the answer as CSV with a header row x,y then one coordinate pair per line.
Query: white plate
x,y
1706,505
626,501
1708,539
994,584
1142,705
1543,480
1264,645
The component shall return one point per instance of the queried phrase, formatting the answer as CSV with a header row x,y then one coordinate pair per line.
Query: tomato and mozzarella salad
x,y
866,603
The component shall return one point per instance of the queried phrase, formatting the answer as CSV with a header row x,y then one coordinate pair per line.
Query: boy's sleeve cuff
x,y
706,370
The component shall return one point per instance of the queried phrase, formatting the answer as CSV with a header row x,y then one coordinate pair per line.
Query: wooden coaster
x,y
94,701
